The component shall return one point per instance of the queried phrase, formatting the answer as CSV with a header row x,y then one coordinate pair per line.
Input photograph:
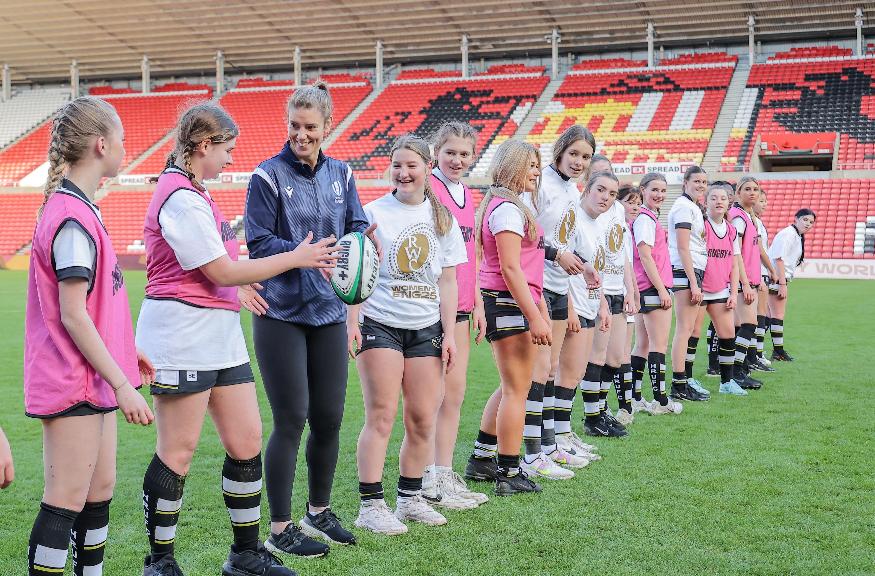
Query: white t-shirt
x,y
764,242
507,217
612,233
685,213
787,246
457,191
645,230
586,302
177,336
407,293
557,214
720,230
74,252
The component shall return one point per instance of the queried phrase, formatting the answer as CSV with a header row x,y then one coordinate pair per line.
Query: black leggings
x,y
304,370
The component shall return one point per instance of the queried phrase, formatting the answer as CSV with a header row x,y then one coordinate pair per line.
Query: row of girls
x,y
83,362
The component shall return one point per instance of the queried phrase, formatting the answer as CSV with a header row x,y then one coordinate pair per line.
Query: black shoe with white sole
x,y
165,566
326,525
781,356
760,367
603,428
293,541
519,483
686,392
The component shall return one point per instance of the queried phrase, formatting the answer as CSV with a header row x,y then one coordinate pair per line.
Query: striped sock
x,y
713,348
742,342
617,381
508,465
534,421
162,501
371,491
639,364
589,388
562,409
656,366
49,540
485,446
692,345
760,333
777,330
88,539
548,428
626,371
727,359
241,488
409,487
606,381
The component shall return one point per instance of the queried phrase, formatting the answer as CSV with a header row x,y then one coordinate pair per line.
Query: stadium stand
x,y
666,114
258,106
420,100
17,220
808,90
845,210
27,109
25,155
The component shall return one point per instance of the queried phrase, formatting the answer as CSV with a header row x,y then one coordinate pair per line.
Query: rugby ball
x,y
355,274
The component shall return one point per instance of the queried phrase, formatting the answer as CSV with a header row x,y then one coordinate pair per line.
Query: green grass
x,y
780,482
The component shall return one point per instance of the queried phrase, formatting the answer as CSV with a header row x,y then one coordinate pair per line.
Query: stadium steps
x,y
350,118
151,150
538,108
723,127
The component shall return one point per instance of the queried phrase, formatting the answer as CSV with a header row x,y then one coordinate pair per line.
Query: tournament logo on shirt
x,y
118,279
565,228
615,239
413,250
600,260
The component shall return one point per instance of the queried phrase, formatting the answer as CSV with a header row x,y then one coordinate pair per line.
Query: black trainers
x,y
760,367
481,470
686,392
164,566
713,372
258,562
609,418
293,541
749,383
782,356
603,428
326,525
519,483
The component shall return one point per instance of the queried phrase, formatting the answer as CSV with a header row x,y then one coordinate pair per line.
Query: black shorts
x,y
423,343
773,288
615,303
650,300
190,381
557,304
462,317
756,287
503,315
586,322
681,282
80,409
766,280
722,300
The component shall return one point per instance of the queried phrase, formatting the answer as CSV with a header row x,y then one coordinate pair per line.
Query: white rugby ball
x,y
355,274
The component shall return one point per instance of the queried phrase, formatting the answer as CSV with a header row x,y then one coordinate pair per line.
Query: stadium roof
x,y
39,38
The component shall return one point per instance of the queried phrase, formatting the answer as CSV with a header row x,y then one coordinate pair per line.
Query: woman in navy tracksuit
x,y
300,336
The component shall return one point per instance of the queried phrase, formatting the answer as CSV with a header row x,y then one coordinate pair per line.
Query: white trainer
x,y
376,516
543,467
450,481
416,509
571,442
624,417
563,458
640,406
672,407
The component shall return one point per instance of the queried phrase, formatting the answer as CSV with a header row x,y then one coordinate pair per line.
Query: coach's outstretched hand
x,y
7,470
133,405
321,254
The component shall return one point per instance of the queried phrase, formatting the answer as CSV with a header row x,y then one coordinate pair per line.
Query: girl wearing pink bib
x,y
190,325
652,264
747,194
511,276
454,149
720,281
80,363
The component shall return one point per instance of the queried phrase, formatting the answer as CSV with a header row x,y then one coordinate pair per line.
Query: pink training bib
x,y
465,279
531,258
57,377
718,271
166,278
750,244
659,252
